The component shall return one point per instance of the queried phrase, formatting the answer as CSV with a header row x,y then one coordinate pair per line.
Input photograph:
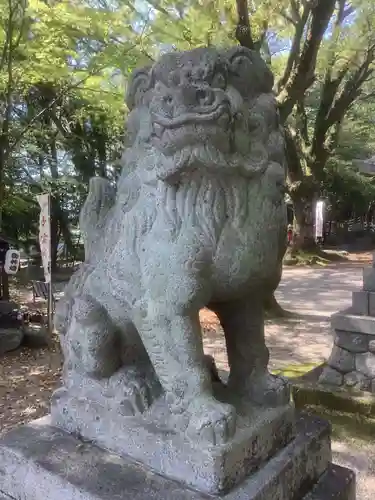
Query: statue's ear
x,y
138,85
248,72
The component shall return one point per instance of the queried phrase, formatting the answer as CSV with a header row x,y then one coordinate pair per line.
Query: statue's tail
x,y
99,201
93,217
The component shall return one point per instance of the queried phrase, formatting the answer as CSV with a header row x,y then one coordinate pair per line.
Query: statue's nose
x,y
193,96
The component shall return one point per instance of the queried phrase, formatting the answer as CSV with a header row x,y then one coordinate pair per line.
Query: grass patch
x,y
315,257
351,415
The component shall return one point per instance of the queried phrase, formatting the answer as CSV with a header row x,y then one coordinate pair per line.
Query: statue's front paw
x,y
136,390
269,390
210,420
138,398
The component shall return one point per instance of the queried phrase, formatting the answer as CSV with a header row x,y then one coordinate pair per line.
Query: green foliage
x,y
63,72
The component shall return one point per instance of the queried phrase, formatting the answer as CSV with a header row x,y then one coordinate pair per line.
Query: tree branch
x,y
302,122
294,53
295,10
302,77
158,7
330,86
243,29
351,89
334,105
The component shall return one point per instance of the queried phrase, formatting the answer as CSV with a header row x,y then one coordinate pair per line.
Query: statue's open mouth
x,y
195,117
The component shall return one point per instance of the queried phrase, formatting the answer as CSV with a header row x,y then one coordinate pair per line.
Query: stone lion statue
x,y
198,220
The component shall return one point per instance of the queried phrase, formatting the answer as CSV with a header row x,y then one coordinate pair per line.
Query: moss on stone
x,y
296,371
346,426
343,400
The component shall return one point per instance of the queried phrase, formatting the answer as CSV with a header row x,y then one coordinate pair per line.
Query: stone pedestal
x,y
352,360
39,462
154,440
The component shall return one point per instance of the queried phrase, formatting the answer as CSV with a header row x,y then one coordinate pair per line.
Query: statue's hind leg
x,y
243,324
98,350
93,339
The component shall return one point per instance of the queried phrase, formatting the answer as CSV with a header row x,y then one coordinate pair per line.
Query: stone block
x,y
40,461
360,302
341,360
358,381
351,341
371,345
36,336
353,323
337,483
261,432
369,279
10,339
371,303
365,363
331,376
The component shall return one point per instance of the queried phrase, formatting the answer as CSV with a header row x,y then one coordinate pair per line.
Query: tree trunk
x,y
303,237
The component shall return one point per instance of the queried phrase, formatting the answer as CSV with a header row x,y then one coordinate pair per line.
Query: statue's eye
x,y
168,100
219,81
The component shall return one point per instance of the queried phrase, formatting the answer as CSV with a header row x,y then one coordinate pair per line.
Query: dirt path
x,y
315,293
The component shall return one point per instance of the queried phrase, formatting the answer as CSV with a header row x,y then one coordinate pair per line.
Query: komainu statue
x,y
197,220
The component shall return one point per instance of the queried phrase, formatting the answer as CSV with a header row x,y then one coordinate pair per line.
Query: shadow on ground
x,y
313,293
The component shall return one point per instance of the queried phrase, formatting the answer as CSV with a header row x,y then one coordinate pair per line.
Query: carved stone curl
x,y
198,219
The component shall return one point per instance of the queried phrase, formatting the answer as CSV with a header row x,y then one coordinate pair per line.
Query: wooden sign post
x,y
44,201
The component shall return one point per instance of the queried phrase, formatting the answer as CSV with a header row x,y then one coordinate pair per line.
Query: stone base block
x,y
261,432
348,322
352,360
337,483
369,279
39,462
360,302
371,303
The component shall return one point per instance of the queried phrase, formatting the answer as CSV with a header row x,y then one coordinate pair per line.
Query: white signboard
x,y
45,234
319,219
12,261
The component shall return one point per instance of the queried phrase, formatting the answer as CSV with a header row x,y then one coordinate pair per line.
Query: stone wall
x,y
352,360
